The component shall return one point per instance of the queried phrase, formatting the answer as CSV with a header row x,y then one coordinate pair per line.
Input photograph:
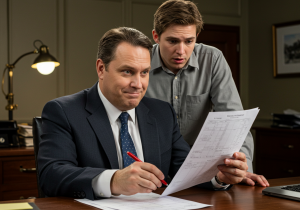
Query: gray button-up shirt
x,y
204,84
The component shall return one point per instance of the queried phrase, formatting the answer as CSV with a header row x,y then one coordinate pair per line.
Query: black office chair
x,y
37,129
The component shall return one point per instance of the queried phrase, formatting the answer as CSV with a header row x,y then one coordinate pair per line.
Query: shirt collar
x,y
112,111
156,60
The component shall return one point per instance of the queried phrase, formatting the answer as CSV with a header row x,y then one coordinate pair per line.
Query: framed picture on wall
x,y
286,49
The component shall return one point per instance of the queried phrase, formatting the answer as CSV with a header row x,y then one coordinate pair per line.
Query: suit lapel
x,y
100,123
149,135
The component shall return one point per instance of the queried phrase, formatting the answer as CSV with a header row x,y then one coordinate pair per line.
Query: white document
x,y
222,134
90,203
143,201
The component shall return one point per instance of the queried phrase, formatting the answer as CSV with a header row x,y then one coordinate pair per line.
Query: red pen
x,y
136,159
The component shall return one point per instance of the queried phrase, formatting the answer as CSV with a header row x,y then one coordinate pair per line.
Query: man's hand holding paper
x,y
234,170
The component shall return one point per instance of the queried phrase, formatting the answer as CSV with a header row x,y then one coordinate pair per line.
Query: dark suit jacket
x,y
78,144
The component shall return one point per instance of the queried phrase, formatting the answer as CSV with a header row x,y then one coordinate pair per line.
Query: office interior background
x,y
72,28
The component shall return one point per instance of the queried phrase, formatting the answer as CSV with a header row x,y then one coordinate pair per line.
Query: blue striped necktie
x,y
126,140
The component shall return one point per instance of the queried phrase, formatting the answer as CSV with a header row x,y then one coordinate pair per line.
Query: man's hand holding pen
x,y
139,177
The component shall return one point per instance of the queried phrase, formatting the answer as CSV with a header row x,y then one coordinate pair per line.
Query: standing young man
x,y
193,78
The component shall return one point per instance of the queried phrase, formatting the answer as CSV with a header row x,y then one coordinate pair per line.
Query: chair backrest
x,y
37,130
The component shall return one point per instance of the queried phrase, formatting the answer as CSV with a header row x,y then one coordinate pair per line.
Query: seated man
x,y
86,135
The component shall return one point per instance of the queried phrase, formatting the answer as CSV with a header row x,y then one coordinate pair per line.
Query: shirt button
x,y
175,77
177,116
101,194
176,97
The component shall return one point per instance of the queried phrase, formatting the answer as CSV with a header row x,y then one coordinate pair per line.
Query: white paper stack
x,y
143,201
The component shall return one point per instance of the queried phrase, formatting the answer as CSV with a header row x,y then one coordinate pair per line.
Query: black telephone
x,y
8,133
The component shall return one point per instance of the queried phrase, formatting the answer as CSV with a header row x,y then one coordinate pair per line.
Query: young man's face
x,y
125,82
176,45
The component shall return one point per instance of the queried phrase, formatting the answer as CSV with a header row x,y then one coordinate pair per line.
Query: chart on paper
x,y
222,134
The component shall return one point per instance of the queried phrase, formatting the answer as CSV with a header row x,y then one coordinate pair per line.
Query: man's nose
x,y
136,82
180,48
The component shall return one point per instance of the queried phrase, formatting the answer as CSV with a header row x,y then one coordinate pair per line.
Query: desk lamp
x,y
44,63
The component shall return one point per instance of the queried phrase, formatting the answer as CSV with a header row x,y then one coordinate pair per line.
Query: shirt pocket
x,y
198,106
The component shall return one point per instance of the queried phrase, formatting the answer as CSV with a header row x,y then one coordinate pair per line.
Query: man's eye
x,y
145,72
127,72
189,42
172,41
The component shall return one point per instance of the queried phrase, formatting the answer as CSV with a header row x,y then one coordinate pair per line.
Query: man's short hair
x,y
177,12
111,39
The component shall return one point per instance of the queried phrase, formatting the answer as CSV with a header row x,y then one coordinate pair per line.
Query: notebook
x,y
286,191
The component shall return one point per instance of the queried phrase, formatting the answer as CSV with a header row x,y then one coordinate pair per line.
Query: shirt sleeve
x,y
217,185
225,97
101,184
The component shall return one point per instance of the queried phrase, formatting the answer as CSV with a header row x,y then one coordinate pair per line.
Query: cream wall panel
x,y
143,14
30,20
85,23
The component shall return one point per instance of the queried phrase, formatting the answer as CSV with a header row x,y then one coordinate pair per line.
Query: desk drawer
x,y
20,194
285,147
12,173
273,169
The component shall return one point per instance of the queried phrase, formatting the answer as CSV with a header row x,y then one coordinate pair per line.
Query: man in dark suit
x,y
86,135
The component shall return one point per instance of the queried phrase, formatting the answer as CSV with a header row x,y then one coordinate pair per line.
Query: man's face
x,y
125,81
176,45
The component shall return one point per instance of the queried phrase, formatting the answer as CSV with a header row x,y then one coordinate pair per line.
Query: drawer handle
x,y
25,170
22,197
288,146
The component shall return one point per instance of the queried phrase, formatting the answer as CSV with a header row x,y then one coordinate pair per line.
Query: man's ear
x,y
155,36
197,35
100,68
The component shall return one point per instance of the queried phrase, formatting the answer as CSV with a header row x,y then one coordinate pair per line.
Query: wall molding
x,y
210,8
3,53
62,75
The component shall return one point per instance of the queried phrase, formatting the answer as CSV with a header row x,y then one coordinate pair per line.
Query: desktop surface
x,y
238,197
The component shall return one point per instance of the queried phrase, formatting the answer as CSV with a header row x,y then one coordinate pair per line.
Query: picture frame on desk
x,y
286,49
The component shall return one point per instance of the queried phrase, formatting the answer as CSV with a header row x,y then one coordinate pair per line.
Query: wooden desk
x,y
239,197
16,181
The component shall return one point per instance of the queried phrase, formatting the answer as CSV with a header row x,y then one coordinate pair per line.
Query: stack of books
x,y
290,119
25,135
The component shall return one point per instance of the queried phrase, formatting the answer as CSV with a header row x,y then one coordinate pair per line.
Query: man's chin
x,y
132,103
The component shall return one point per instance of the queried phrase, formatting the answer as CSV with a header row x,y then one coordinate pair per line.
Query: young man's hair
x,y
111,39
177,12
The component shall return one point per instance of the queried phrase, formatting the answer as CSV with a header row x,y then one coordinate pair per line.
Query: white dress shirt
x,y
101,183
